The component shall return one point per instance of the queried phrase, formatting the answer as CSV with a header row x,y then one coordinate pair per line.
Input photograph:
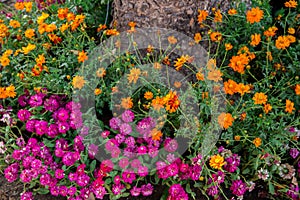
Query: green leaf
x,y
93,165
43,191
271,188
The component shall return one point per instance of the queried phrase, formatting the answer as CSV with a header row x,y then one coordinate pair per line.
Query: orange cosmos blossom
x,y
181,61
225,120
202,16
297,89
82,56
257,142
255,40
127,103
238,63
172,40
171,101
218,16
216,162
271,31
10,91
134,74
291,4
78,82
230,87
228,46
157,103
289,106
254,15
243,89
148,95
197,37
62,13
260,98
14,24
215,75
216,36
267,108
232,12
156,134
282,42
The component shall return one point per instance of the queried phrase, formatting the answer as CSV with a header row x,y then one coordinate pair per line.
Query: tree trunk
x,y
179,15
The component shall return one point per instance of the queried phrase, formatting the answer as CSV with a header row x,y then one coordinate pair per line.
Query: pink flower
x,y
23,115
143,171
147,189
135,191
128,176
62,115
123,163
59,174
128,116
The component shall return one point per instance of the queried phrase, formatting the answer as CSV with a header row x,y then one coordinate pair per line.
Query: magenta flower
x,y
105,134
238,187
51,104
83,180
59,174
11,172
117,188
24,115
36,163
68,159
72,190
52,130
147,189
30,125
135,191
143,171
142,150
100,192
23,100
62,115
26,196
172,169
294,153
117,179
128,116
92,151
41,127
73,177
128,176
136,163
45,179
232,163
293,192
123,163
63,127
26,176
212,190
170,145
115,123
219,177
125,129
36,100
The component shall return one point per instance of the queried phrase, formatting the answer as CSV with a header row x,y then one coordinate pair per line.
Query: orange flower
x,y
237,138
29,33
289,106
200,76
2,93
197,37
230,87
297,89
157,103
50,28
101,72
134,74
291,4
82,56
54,38
62,13
148,95
156,134
243,89
269,55
257,142
14,24
243,116
202,15
211,64
177,84
157,65
228,46
111,32
64,27
215,75
28,48
28,6
172,40
271,31
291,38
42,18
254,15
40,59
291,31
19,5
97,91
255,39
181,61
78,82
225,120
4,61
127,103
216,162
260,98
10,91
267,108
218,16
101,27
171,101
216,36
232,12
238,63
282,42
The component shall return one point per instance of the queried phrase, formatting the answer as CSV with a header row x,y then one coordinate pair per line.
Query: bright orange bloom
x,y
8,52
101,72
29,33
267,108
28,48
172,40
289,106
282,42
70,16
111,32
10,91
243,89
297,89
225,120
127,103
211,64
148,95
181,61
202,15
82,56
257,142
200,76
232,11
4,60
291,4
269,55
54,38
216,162
50,28
230,87
157,103
78,82
42,18
254,15
177,84
216,36
171,101
243,116
97,91
14,24
2,93
19,5
291,31
62,13
255,39
156,134
28,6
215,75
260,98
228,46
134,74
291,38
218,16
271,31
197,37
40,59
101,27
238,63
64,27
